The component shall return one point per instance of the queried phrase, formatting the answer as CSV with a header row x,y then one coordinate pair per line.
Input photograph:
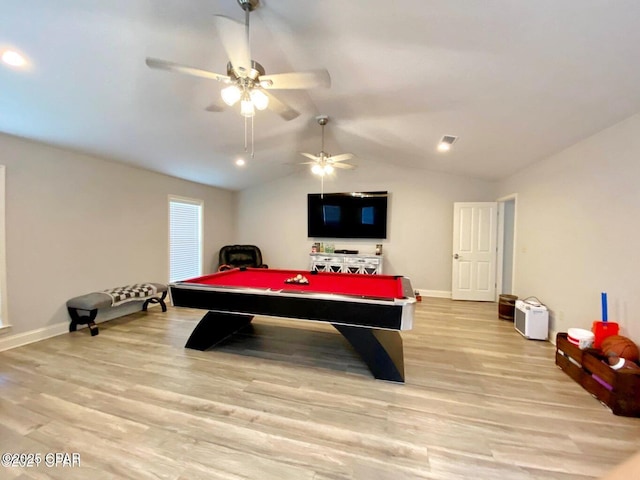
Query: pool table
x,y
368,310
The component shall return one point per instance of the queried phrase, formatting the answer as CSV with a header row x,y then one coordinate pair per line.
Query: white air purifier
x,y
531,320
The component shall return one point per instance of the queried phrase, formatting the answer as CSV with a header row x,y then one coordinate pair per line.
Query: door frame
x,y
500,243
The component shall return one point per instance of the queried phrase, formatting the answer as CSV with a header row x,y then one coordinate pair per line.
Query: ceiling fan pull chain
x,y
252,137
245,134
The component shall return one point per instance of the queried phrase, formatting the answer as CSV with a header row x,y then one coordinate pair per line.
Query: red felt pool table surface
x,y
381,286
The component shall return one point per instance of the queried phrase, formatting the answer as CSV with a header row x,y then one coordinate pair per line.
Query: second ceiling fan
x,y
324,163
247,81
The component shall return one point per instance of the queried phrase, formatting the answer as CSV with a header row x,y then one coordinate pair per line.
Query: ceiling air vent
x,y
446,142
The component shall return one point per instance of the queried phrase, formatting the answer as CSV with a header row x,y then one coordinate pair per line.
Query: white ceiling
x,y
515,80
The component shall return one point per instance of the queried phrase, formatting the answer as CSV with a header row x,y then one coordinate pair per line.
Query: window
x,y
185,238
4,321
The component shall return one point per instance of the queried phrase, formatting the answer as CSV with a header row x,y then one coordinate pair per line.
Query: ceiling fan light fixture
x,y
325,164
246,106
259,99
231,94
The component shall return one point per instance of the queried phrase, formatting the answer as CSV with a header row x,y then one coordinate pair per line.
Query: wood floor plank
x,y
292,400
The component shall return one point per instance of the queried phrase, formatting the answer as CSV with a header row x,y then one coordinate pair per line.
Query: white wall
x,y
509,213
77,224
577,228
419,244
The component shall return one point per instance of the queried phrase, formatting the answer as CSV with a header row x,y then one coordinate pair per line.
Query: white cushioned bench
x,y
84,309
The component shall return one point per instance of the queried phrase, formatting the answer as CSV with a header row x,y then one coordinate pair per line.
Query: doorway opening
x,y
506,265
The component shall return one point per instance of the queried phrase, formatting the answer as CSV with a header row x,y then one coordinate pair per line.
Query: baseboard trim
x,y
8,341
18,340
434,293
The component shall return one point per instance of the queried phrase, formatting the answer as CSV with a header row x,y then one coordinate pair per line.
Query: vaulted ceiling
x,y
516,81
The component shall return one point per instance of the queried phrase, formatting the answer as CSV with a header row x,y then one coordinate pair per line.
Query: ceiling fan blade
x,y
176,67
312,157
342,165
235,41
296,80
281,108
342,157
307,163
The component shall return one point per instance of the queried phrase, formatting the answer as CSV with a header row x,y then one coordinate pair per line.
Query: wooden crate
x,y
618,389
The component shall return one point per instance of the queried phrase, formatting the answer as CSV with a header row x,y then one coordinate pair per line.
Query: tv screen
x,y
347,215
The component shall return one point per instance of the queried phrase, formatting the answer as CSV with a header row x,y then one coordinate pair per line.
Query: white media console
x,y
346,263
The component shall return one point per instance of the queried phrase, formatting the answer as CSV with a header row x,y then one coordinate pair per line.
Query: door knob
x,y
456,256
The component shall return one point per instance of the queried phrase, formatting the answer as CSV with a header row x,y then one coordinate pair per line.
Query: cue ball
x,y
298,276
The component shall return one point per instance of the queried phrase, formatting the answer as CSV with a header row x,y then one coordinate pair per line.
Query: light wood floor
x,y
291,401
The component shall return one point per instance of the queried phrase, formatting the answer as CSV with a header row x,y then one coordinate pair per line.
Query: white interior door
x,y
474,251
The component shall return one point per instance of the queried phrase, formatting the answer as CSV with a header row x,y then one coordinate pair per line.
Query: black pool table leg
x,y
215,327
380,349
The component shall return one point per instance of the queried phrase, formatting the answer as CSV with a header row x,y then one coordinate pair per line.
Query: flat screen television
x,y
347,215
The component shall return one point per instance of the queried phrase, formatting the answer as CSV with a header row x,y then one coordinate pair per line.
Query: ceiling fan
x,y
246,79
324,163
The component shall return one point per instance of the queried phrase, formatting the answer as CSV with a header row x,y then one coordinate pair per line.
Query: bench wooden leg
x,y
156,300
77,319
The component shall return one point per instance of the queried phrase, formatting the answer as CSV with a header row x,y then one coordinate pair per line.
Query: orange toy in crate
x,y
619,363
623,347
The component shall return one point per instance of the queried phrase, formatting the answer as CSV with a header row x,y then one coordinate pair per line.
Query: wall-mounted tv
x,y
347,215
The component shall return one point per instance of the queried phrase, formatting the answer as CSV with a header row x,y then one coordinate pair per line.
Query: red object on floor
x,y
602,330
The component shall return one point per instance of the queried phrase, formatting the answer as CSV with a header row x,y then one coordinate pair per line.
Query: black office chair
x,y
234,256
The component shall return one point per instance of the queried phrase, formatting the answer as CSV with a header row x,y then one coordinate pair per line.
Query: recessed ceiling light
x,y
13,58
446,142
240,162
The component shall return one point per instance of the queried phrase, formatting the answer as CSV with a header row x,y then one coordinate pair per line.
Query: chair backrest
x,y
240,256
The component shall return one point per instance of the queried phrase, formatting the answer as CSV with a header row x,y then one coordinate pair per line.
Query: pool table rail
x,y
389,314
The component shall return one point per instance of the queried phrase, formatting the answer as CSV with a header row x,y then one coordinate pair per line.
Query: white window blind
x,y
185,238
